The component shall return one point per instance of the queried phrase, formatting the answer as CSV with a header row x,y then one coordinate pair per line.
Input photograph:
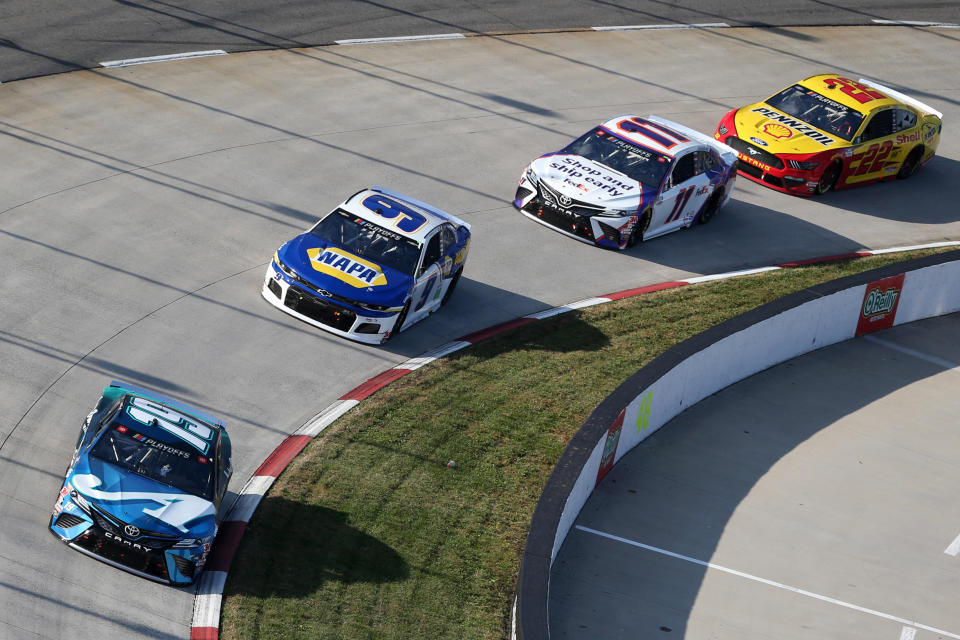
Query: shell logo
x,y
777,130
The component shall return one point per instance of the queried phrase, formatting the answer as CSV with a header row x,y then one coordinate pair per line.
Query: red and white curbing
x,y
206,610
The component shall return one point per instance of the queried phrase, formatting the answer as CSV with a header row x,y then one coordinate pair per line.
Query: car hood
x,y
148,505
776,132
588,181
342,273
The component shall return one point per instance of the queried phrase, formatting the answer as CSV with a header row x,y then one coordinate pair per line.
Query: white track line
x,y
731,274
946,364
635,27
778,585
954,547
917,23
436,36
932,245
173,56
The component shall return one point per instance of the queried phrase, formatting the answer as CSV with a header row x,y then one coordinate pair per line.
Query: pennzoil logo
x,y
880,302
777,131
347,267
793,125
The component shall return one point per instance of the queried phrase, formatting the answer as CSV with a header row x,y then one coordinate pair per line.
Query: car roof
x,y
843,90
179,437
652,133
401,214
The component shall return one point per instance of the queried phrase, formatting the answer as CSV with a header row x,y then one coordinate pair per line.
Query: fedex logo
x,y
347,267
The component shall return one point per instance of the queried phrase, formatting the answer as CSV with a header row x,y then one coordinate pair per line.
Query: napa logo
x,y
347,267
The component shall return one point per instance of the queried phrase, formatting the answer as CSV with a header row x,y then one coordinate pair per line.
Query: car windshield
x,y
643,165
363,238
156,460
818,111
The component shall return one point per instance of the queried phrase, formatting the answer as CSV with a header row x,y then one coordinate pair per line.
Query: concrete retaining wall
x,y
691,371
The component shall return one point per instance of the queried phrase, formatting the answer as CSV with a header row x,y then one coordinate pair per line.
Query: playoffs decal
x,y
879,307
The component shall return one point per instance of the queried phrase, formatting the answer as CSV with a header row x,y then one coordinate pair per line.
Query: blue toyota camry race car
x,y
370,268
144,485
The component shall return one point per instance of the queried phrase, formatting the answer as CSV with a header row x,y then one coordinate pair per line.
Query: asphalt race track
x,y
139,207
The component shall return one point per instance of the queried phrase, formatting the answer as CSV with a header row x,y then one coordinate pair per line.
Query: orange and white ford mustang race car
x,y
829,132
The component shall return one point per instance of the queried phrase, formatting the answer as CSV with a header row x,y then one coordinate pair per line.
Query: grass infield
x,y
368,534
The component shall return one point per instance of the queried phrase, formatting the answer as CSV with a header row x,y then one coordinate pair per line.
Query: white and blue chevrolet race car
x,y
144,485
627,180
370,268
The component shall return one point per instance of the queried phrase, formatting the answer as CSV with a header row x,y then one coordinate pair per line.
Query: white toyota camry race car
x,y
627,180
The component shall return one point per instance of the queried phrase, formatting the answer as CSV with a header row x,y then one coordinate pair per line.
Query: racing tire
x,y
639,229
401,319
453,285
828,178
911,164
713,205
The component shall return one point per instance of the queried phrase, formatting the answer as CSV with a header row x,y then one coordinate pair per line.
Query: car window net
x,y
818,111
156,460
368,240
643,165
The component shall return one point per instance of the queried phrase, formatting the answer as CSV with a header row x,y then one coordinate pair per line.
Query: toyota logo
x,y
131,531
565,200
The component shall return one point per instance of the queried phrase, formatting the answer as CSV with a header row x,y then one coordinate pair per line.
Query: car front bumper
x,y
307,305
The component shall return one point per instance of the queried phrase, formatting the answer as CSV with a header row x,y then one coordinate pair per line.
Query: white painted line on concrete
x,y
555,311
778,585
325,418
946,364
415,363
206,607
636,27
908,633
954,547
436,36
731,274
173,56
933,245
917,23
249,498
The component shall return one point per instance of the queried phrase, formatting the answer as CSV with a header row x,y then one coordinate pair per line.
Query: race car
x,y
144,485
372,267
627,180
831,132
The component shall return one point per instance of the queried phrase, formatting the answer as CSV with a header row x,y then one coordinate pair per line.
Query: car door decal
x,y
426,292
870,160
679,204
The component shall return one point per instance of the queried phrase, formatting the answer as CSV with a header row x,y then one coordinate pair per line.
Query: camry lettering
x,y
796,125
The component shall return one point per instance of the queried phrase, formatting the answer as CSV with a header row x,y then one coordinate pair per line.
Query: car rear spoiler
x,y
423,205
176,404
693,134
913,102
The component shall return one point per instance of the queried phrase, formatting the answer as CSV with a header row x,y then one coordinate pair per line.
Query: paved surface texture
x,y
834,473
140,206
40,37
